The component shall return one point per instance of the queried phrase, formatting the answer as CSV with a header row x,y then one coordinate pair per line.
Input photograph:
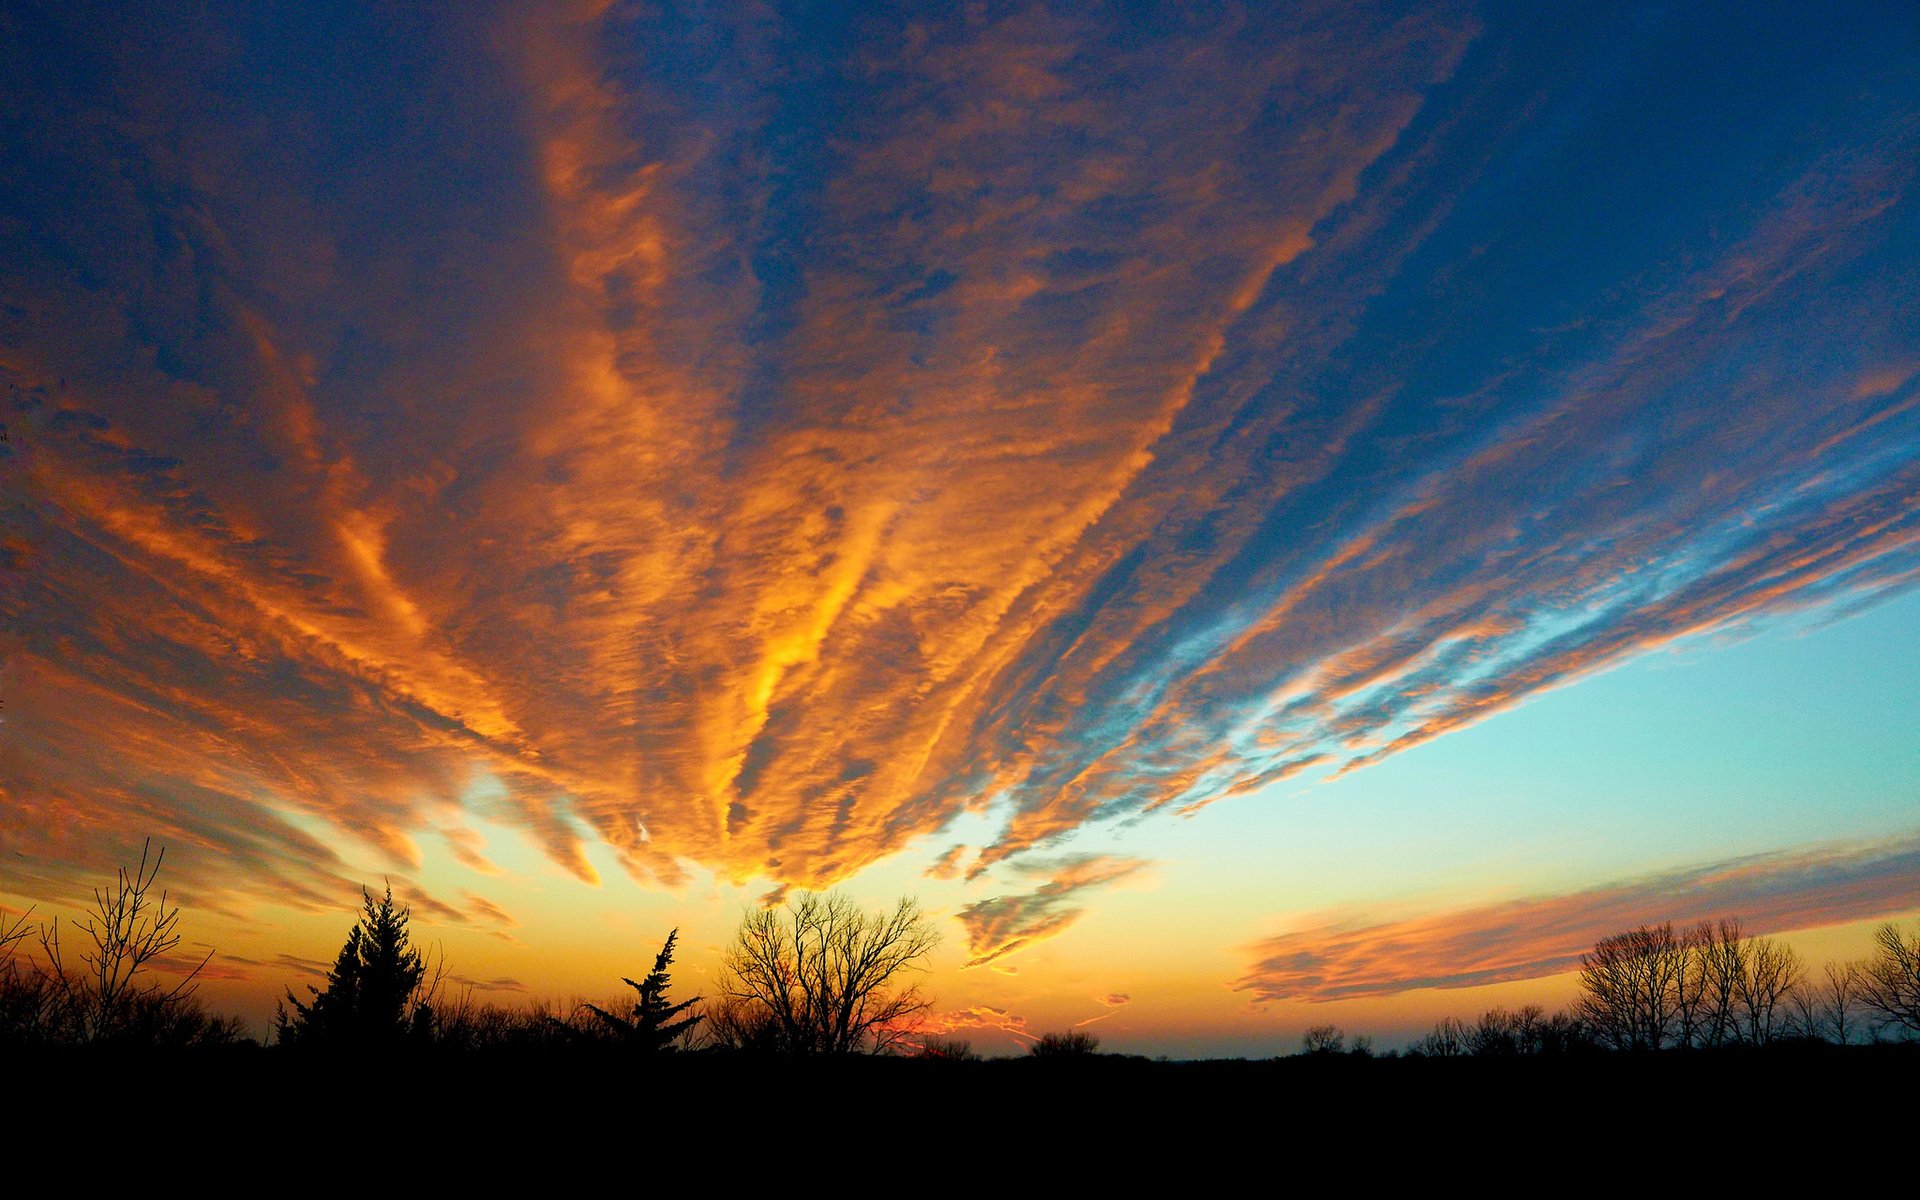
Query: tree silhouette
x,y
1889,980
1074,1043
25,995
1829,1007
1505,1033
1323,1039
1633,986
378,992
1449,1038
821,976
651,1028
106,993
1773,974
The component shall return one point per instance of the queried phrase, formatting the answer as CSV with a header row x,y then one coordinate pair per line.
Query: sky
x,y
1254,514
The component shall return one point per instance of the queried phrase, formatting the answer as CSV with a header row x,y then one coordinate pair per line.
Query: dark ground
x,y
502,1117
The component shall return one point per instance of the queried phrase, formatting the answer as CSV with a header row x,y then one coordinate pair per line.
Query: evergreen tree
x,y
652,1026
372,997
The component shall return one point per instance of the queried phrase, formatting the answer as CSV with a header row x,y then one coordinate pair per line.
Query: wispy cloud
x,y
1338,956
498,984
1003,924
979,1016
1112,1002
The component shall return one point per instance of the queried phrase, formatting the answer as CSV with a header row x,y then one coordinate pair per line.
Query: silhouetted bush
x,y
1566,1033
1074,1043
739,1025
101,991
1503,1033
947,1049
461,1024
26,995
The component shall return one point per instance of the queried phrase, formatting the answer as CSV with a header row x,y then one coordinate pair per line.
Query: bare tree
x,y
1631,989
1504,1033
1718,965
819,975
1827,1008
1839,998
1449,1038
1323,1039
1890,980
1711,986
128,932
1773,972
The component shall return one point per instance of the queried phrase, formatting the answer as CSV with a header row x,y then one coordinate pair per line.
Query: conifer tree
x,y
652,1027
372,996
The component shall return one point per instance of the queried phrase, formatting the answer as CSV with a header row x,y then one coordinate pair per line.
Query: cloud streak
x,y
999,926
1344,956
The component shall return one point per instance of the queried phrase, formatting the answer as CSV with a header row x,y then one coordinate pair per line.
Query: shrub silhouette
x,y
377,993
104,992
1503,1033
26,998
741,1025
651,1027
947,1049
1075,1043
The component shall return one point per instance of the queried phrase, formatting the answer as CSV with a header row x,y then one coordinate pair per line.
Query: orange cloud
x,y
1003,924
979,1016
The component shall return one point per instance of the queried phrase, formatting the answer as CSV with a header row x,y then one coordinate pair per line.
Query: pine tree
x,y
652,1026
372,994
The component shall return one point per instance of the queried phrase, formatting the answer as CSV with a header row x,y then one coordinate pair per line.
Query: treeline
x,y
817,976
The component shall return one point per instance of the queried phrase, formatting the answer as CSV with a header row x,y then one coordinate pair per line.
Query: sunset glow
x,y
1254,515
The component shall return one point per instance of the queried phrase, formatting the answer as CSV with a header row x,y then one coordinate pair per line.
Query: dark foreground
x,y
469,1116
